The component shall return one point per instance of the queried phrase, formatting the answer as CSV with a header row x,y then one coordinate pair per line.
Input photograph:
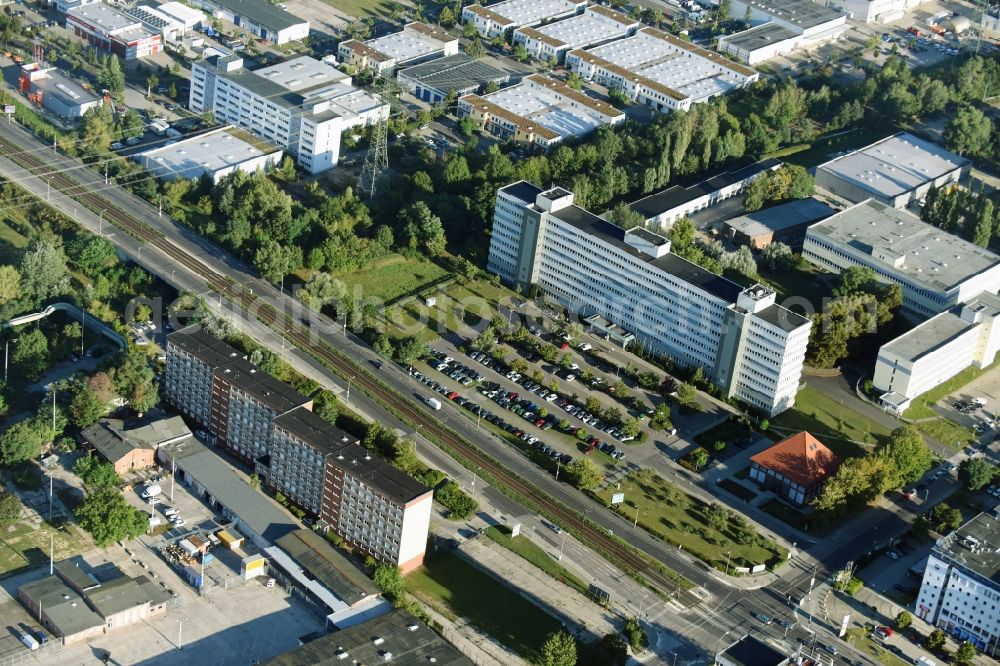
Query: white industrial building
x,y
629,283
937,350
107,28
936,270
539,110
960,592
596,25
781,26
897,171
215,154
659,70
182,14
57,92
502,17
301,105
665,207
157,22
878,11
262,19
415,43
460,74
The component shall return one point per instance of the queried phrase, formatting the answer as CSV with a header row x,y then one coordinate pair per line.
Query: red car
x,y
564,345
539,422
452,395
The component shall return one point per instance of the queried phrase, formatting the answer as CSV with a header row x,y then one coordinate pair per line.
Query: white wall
x,y
416,523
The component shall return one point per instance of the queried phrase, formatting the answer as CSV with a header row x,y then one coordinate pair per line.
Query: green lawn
x,y
391,277
947,432
836,425
530,551
921,407
859,638
460,590
363,8
821,149
679,519
802,282
25,546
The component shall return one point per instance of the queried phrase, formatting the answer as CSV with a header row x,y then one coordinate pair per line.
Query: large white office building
x,y
960,593
936,270
659,70
415,43
781,26
215,154
502,17
897,170
262,19
301,105
878,11
937,350
596,25
746,343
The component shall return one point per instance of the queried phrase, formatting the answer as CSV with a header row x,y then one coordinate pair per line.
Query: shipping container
x,y
192,576
207,558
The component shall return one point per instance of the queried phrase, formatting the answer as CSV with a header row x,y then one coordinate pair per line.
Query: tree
x,y
21,441
43,272
965,653
903,619
409,350
95,472
475,49
907,454
584,473
682,235
31,355
699,458
661,417
625,216
10,509
968,131
134,380
777,257
275,261
467,126
388,578
326,406
108,516
10,284
460,504
574,80
976,473
447,17
521,53
630,428
111,76
88,405
424,228
132,124
609,650
716,515
687,395
255,481
151,82
559,649
936,640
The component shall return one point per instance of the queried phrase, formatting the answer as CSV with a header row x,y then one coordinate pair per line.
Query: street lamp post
x,y
715,653
100,222
728,554
348,397
641,603
474,479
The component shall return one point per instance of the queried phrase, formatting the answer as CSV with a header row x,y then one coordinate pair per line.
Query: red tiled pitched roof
x,y
801,458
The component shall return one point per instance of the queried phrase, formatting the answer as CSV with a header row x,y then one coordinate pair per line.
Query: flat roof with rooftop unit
x,y
433,81
216,154
596,25
897,170
502,16
415,43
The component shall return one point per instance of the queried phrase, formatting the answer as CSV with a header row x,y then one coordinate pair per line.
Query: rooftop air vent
x,y
378,640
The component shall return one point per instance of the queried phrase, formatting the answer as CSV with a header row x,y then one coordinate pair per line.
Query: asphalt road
x,y
726,608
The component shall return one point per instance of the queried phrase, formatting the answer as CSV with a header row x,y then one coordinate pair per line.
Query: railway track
x,y
298,333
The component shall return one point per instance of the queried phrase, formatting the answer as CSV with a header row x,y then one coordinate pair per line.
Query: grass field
x,y
837,426
23,545
821,149
362,8
949,433
803,282
859,638
460,590
391,277
530,551
679,519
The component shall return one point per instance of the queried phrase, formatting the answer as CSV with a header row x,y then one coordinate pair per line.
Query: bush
x,y
851,587
635,635
451,497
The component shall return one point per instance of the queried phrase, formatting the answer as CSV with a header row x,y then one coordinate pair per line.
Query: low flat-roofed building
x,y
157,22
502,17
396,637
660,71
258,17
330,581
227,491
785,223
216,154
106,27
937,350
61,610
539,111
596,25
415,43
811,19
878,11
759,43
751,651
671,204
186,16
433,81
936,270
59,94
896,171
961,584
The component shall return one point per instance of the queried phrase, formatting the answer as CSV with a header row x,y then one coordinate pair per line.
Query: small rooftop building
x,y
785,223
417,42
660,71
665,207
937,350
936,270
596,25
397,638
502,17
794,468
896,171
57,92
215,154
433,81
539,110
